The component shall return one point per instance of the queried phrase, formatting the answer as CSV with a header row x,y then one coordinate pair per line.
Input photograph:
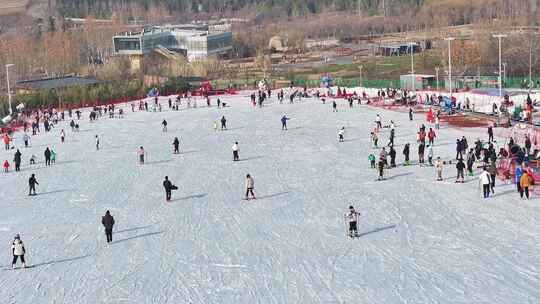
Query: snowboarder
x,y
352,218
17,160
250,185
18,250
108,222
235,150
97,142
284,122
47,155
32,182
340,134
439,167
485,181
223,123
164,124
141,155
176,145
169,187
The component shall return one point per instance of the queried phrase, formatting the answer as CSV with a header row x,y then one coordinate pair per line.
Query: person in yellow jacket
x,y
525,181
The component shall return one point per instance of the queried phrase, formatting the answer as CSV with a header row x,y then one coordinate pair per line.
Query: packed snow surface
x,y
421,241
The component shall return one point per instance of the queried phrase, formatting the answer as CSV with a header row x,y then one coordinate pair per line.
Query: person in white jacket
x,y
485,181
250,185
17,247
341,133
235,150
352,218
430,155
439,167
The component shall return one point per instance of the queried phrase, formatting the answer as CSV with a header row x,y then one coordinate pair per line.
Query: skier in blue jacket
x,y
517,176
284,122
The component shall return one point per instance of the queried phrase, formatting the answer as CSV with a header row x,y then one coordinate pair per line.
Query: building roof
x,y
56,83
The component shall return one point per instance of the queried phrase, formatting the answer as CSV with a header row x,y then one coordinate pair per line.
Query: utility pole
x,y
8,87
437,77
500,37
450,39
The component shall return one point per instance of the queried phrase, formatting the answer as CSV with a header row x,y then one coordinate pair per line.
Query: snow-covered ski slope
x,y
421,241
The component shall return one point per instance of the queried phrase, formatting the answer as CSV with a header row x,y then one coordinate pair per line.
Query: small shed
x,y
416,81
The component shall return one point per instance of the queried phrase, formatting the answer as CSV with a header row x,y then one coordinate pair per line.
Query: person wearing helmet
x,y
18,250
352,218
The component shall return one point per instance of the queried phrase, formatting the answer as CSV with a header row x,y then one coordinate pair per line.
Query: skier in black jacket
x,y
108,222
32,182
460,166
47,157
176,145
406,151
17,160
392,154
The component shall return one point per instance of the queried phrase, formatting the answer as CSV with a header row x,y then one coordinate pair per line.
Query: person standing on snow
x,y
406,151
378,122
223,123
460,166
371,159
351,217
471,158
485,181
176,145
47,155
430,155
525,181
164,125
284,122
334,106
340,134
439,167
517,175
108,222
392,154
169,187
459,148
421,149
97,142
26,139
6,166
32,182
431,136
493,174
53,156
18,250
235,151
410,113
490,134
250,185
141,155
374,139
391,141
62,136
17,160
381,169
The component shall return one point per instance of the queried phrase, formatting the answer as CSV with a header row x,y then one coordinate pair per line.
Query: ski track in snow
x,y
421,241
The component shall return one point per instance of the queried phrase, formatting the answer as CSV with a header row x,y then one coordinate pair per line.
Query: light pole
x,y
450,39
411,46
500,37
8,87
504,73
437,77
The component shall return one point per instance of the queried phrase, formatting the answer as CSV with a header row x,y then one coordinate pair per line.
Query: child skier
x,y
439,167
460,166
18,250
235,150
140,152
6,166
250,184
341,133
371,159
352,218
406,151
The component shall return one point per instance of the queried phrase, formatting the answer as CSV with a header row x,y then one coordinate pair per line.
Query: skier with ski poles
x,y
223,123
164,124
460,166
32,182
284,122
406,151
141,154
439,167
17,160
485,181
341,132
169,187
351,217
